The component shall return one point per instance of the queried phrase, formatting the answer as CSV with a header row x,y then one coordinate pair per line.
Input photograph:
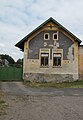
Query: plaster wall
x,y
31,66
80,63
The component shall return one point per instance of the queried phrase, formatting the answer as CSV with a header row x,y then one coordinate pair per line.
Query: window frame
x,y
57,51
44,51
48,36
55,34
57,59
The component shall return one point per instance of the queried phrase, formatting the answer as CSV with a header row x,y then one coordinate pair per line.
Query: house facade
x,y
51,53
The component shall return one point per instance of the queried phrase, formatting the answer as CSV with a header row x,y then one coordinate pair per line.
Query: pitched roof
x,y
20,44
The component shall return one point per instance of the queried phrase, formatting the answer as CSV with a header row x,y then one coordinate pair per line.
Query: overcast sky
x,y
19,17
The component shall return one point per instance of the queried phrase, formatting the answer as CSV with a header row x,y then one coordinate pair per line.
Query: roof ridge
x,y
20,43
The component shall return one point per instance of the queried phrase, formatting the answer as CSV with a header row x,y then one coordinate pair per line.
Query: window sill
x,y
57,66
44,66
55,39
46,39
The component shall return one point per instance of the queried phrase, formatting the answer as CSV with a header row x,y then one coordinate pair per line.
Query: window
x,y
46,36
44,56
56,59
44,59
55,35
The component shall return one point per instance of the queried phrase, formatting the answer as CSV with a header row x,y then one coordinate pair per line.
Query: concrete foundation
x,y
41,77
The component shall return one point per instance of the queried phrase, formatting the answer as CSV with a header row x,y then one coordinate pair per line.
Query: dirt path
x,y
41,104
17,88
43,108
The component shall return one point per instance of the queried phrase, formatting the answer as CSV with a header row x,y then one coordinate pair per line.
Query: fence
x,y
10,73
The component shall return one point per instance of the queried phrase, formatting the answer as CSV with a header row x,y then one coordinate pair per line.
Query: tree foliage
x,y
8,58
19,62
11,61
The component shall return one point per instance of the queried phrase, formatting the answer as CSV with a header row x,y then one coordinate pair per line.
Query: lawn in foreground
x,y
75,84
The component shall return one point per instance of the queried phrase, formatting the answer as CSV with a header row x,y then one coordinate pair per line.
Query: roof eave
x,y
50,19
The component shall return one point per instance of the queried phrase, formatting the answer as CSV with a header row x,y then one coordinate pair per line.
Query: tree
x,y
19,63
8,58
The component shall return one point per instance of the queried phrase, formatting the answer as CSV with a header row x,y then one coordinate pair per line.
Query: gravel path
x,y
17,88
41,104
43,108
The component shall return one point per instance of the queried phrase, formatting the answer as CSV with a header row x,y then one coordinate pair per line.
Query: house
x,y
51,53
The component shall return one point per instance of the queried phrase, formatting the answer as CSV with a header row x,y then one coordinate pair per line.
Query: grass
x,y
75,84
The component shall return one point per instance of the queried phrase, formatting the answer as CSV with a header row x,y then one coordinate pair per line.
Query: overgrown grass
x,y
75,84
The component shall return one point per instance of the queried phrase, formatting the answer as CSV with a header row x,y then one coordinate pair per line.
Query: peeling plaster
x,y
70,55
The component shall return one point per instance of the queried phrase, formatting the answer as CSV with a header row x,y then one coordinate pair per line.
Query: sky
x,y
19,17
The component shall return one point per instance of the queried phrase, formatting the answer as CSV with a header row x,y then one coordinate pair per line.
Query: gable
x,y
51,27
38,42
49,24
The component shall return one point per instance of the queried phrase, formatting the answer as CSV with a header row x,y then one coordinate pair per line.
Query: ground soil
x,y
42,107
